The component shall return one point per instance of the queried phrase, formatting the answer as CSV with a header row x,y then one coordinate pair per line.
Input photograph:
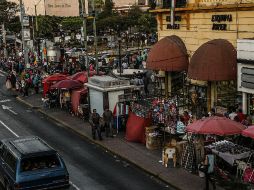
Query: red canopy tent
x,y
75,97
82,76
216,126
135,128
249,132
67,84
48,81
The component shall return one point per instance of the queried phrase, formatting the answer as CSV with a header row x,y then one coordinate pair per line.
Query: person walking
x,y
108,119
209,163
95,124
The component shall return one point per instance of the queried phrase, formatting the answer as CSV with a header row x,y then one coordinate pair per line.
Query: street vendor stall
x,y
229,151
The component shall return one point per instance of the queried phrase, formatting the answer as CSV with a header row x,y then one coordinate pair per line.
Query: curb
x,y
88,138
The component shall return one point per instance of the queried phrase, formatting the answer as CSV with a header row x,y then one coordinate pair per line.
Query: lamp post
x,y
95,37
22,12
119,50
84,18
37,28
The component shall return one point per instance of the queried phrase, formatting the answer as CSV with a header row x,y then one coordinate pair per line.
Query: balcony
x,y
166,4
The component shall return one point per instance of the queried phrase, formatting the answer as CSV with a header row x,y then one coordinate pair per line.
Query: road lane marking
x,y
6,100
2,75
9,109
9,129
73,185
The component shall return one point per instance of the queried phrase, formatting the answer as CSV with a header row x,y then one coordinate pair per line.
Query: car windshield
x,y
39,162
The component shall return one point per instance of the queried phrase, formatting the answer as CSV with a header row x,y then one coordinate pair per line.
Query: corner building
x,y
209,30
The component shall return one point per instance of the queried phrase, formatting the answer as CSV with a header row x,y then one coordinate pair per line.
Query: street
x,y
90,166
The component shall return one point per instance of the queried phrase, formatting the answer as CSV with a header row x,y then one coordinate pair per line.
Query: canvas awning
x,y
168,54
215,60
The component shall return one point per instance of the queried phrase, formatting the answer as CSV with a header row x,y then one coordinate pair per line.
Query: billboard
x,y
63,8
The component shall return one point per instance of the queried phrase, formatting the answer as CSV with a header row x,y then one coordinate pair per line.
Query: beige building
x,y
203,35
52,7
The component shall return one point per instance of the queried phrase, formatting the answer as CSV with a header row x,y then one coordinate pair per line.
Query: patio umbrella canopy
x,y
67,84
249,132
215,125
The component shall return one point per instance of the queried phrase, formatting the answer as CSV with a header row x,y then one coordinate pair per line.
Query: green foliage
x,y
47,25
72,23
147,22
8,16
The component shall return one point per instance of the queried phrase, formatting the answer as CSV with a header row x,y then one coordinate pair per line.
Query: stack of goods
x,y
228,147
165,113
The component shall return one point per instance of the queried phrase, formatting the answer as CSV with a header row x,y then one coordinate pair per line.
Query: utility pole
x,y
22,31
4,41
95,38
84,18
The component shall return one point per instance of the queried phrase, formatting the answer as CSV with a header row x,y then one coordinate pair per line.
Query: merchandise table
x,y
229,151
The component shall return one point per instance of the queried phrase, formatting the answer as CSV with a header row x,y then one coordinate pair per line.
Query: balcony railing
x,y
165,4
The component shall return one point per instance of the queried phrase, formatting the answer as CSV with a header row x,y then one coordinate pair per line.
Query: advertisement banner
x,y
62,8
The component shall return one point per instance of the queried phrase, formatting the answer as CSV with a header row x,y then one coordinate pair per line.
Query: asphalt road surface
x,y
90,167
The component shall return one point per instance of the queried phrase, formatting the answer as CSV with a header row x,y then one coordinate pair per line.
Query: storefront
x,y
170,59
197,24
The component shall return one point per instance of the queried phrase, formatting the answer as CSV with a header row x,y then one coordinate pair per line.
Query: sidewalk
x,y
138,154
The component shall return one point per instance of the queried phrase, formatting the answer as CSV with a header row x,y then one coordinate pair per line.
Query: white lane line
x,y
9,129
1,75
72,184
75,186
6,100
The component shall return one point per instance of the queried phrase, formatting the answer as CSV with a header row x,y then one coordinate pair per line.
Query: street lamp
x,y
119,51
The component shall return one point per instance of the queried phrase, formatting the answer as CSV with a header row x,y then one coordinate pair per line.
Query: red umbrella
x,y
67,84
216,126
55,77
249,132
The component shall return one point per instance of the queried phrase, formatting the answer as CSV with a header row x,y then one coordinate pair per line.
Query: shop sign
x,y
177,18
25,20
247,78
217,19
174,26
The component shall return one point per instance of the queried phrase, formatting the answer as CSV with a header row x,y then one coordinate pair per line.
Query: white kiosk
x,y
104,91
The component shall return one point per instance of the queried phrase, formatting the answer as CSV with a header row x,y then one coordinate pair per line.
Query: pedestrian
x,y
208,165
95,124
108,121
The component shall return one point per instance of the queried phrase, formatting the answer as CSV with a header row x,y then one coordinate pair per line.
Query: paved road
x,y
90,167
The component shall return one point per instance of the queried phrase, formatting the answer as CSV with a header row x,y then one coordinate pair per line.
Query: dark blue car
x,y
28,163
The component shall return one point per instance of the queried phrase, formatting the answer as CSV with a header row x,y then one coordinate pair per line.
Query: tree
x,y
147,23
72,23
107,10
48,25
9,17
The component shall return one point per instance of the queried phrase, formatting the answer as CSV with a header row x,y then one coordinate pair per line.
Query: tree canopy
x,y
9,17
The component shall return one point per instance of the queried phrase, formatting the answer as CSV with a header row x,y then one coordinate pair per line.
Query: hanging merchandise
x,y
188,156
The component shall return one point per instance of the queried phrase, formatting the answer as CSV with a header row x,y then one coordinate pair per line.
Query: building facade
x,y
209,30
62,8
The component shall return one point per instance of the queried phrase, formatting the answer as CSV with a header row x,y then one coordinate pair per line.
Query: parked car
x,y
30,163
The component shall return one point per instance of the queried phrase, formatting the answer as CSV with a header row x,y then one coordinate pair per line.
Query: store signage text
x,y
174,26
177,18
217,19
59,5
